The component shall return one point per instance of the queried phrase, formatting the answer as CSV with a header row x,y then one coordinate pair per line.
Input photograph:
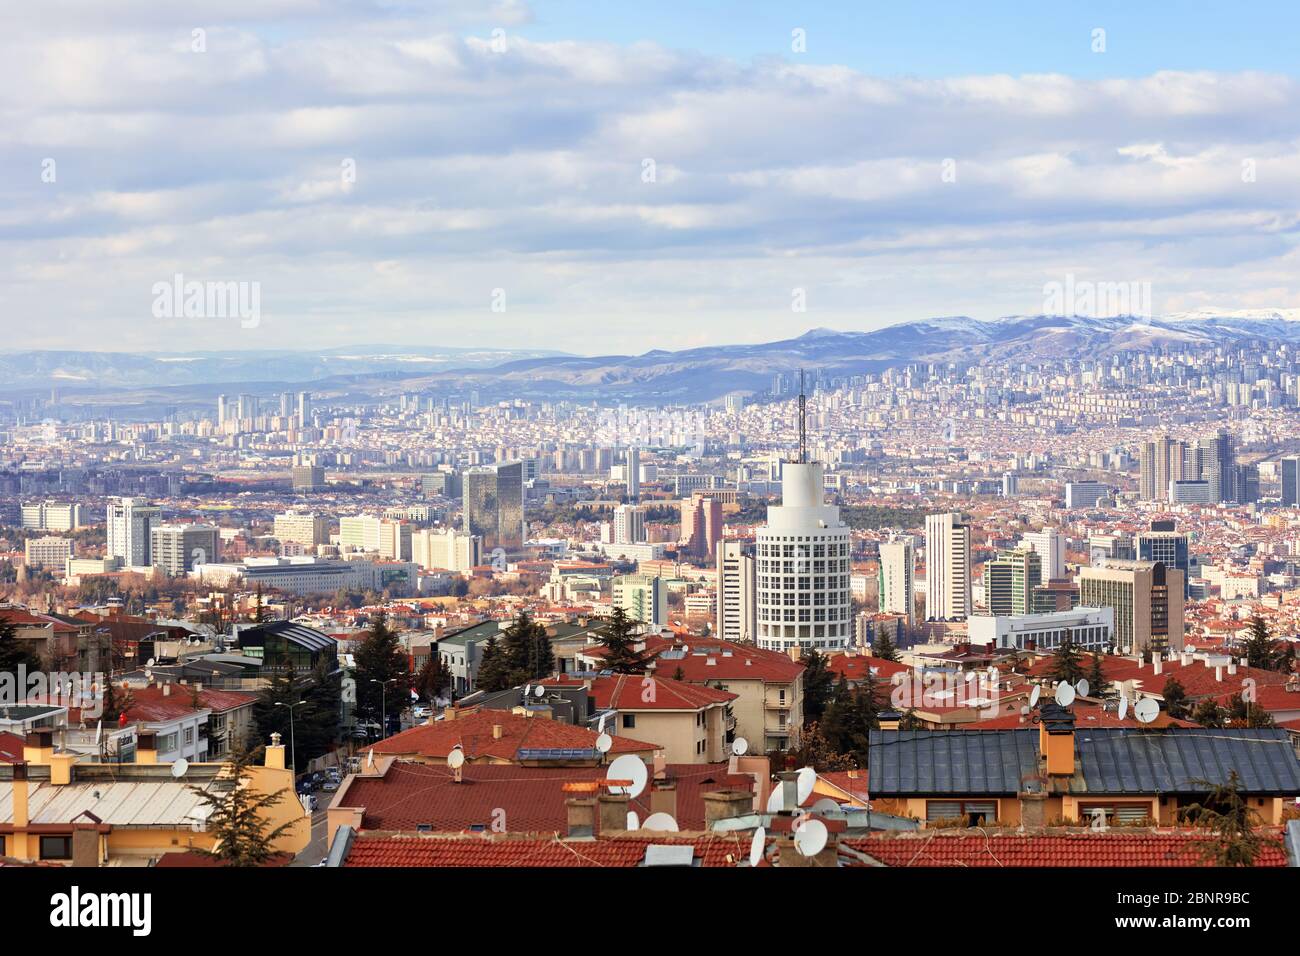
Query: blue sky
x,y
616,177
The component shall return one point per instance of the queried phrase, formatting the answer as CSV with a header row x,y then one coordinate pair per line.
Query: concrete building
x,y
947,568
1148,600
49,552
1049,545
179,548
897,579
1090,628
643,597
303,527
629,524
736,591
1009,582
494,505
701,525
130,529
446,548
51,516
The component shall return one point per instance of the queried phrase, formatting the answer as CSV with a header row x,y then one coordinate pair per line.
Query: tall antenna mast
x,y
803,423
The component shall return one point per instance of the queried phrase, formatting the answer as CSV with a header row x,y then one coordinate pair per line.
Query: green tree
x,y
15,653
1175,696
818,686
494,671
1067,662
383,676
1098,686
1232,822
1259,645
237,816
432,679
884,648
1209,714
527,650
619,639
850,717
1244,713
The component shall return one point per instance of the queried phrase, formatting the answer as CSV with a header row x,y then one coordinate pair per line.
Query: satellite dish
x,y
370,758
994,673
528,690
1034,694
1081,686
1064,694
99,733
774,802
756,845
456,759
810,839
600,727
628,767
1123,705
539,691
1146,710
825,805
804,784
149,662
633,822
660,821
180,767
739,746
604,742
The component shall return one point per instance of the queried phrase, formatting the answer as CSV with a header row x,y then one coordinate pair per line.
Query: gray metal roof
x,y
295,633
1107,761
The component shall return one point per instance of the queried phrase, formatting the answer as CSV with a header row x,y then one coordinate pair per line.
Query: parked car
x,y
330,785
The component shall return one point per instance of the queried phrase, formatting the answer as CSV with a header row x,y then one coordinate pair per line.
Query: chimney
x,y
497,731
613,813
146,747
449,713
726,805
789,791
275,754
39,748
663,798
1218,673
1056,739
1232,667
61,769
85,846
20,816
1157,664
581,813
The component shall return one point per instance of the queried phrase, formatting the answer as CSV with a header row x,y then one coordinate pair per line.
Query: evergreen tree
x,y
383,677
237,817
314,728
1067,662
1209,714
527,649
884,648
1098,686
14,653
619,638
1259,646
1243,713
818,686
850,718
1175,696
1229,817
494,671
433,678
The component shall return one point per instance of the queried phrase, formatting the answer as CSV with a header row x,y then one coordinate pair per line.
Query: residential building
x,y
947,568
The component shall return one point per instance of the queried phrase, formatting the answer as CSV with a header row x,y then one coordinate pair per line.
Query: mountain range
x,y
692,375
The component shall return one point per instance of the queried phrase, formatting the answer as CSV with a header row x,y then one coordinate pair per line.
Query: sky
x,y
603,177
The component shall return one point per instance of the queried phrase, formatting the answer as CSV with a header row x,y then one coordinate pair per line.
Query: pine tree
x,y
1259,646
494,671
433,678
1175,696
818,686
13,652
1243,713
237,816
1098,686
1067,663
884,648
1227,814
527,649
383,677
619,638
1209,714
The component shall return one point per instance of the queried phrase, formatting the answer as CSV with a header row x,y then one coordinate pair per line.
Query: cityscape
x,y
903,573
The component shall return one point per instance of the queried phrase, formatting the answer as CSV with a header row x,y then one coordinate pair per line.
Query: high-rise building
x,y
947,568
1049,544
1009,581
223,409
130,525
1290,467
304,409
1169,547
306,528
1218,466
643,597
736,591
701,525
897,579
1010,484
1148,600
1084,494
803,567
49,552
629,524
494,505
179,548
388,538
306,478
446,548
633,473
51,516
1161,462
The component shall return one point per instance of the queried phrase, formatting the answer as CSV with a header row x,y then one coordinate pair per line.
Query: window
x,y
972,813
629,720
1115,813
56,848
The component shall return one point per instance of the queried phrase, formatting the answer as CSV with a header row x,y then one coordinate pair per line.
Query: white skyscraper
x,y
897,578
803,567
633,473
629,524
736,607
130,530
947,568
1050,547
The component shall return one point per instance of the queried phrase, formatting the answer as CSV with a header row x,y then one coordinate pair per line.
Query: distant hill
x,y
692,375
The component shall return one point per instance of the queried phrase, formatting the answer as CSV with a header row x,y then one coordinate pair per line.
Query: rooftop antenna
x,y
803,423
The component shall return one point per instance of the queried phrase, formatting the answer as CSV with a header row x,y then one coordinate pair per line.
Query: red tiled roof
x,y
150,705
485,850
934,848
21,616
730,661
854,668
474,734
410,795
11,748
1086,714
626,692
